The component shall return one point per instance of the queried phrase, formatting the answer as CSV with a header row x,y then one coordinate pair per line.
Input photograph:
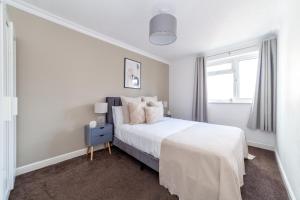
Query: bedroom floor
x,y
119,177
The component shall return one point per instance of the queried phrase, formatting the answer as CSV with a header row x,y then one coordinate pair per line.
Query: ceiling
x,y
203,25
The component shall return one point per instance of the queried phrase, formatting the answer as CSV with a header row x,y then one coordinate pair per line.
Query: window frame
x,y
235,71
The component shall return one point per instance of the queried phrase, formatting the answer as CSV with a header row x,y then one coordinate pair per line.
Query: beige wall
x,y
60,75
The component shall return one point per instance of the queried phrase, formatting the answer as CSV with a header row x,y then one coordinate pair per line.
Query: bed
x,y
143,157
213,172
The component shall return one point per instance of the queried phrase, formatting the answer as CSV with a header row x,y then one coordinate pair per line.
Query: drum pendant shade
x,y
163,28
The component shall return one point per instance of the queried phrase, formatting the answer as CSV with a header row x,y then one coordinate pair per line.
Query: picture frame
x,y
132,74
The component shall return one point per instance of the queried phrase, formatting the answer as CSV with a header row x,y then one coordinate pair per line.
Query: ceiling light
x,y
163,29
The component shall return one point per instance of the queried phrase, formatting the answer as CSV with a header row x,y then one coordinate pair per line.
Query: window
x,y
232,79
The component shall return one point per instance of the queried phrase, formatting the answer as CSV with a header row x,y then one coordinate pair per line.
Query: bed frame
x,y
143,157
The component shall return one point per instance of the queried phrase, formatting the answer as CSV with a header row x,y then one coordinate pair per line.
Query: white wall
x,y
288,118
181,76
181,98
237,115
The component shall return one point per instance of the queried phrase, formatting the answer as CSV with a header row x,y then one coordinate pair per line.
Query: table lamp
x,y
165,104
100,108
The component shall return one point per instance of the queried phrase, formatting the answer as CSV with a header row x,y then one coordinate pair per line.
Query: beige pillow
x,y
125,101
148,99
153,114
136,113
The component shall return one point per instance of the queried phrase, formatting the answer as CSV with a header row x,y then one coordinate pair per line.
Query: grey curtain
x,y
263,111
200,96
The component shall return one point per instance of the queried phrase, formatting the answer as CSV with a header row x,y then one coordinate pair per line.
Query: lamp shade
x,y
163,28
100,108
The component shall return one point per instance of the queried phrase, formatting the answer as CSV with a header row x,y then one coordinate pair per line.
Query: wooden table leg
x,y
88,150
109,148
92,152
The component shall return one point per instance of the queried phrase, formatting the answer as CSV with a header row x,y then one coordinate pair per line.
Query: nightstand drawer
x,y
101,138
98,135
101,134
102,130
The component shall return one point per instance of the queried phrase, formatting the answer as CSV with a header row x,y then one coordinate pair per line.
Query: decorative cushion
x,y
125,101
136,113
153,114
148,99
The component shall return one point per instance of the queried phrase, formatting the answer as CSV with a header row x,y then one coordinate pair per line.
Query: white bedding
x,y
148,137
216,155
204,162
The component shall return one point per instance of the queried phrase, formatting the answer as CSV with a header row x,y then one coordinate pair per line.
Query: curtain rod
x,y
229,52
265,37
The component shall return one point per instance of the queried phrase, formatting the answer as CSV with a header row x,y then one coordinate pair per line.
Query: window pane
x,y
220,67
247,74
220,87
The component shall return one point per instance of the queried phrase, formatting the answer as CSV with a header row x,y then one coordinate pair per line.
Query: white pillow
x,y
117,115
125,115
126,100
148,99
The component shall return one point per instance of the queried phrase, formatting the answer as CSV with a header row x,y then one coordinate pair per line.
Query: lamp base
x,y
100,120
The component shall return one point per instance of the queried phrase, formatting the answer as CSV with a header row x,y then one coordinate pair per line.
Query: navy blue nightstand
x,y
101,134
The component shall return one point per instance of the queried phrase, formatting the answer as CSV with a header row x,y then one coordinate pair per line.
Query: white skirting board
x,y
54,160
260,145
282,172
67,156
284,177
51,161
6,195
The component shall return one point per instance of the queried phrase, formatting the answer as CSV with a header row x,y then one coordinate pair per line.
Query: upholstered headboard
x,y
111,101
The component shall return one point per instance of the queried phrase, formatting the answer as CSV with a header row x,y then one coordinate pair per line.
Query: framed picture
x,y
132,74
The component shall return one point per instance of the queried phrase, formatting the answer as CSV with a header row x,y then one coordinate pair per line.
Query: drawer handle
x,y
101,135
102,127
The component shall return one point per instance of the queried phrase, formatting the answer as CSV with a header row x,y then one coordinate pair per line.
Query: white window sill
x,y
230,102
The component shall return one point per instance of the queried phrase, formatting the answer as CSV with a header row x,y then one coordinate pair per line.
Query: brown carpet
x,y
119,177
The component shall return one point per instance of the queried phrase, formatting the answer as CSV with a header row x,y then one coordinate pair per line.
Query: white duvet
x,y
148,137
214,167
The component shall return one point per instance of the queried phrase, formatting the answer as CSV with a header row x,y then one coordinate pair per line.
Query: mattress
x,y
148,137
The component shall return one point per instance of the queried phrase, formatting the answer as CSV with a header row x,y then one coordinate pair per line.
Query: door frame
x,y
8,104
3,190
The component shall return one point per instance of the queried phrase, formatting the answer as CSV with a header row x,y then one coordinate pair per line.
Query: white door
x,y
10,93
8,105
2,170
